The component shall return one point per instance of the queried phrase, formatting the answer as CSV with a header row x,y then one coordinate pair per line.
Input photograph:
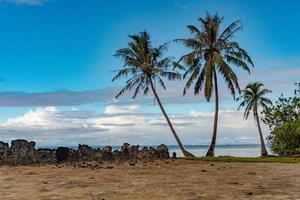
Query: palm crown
x,y
213,51
144,64
252,97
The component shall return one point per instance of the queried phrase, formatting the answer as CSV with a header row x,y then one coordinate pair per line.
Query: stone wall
x,y
22,152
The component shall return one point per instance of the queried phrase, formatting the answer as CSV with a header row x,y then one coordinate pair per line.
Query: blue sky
x,y
57,54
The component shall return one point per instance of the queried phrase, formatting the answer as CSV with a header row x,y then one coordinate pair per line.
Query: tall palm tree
x,y
252,97
146,65
213,51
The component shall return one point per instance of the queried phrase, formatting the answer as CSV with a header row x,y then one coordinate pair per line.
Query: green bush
x,y
283,119
285,140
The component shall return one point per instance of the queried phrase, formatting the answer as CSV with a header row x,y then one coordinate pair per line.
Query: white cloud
x,y
74,109
28,2
118,124
114,109
200,114
46,119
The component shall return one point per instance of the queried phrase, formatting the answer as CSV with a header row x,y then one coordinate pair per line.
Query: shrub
x,y
283,119
285,140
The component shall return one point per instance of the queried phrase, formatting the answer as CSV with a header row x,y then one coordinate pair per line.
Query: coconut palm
x,y
213,52
252,97
146,66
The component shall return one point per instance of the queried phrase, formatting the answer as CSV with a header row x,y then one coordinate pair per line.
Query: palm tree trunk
x,y
185,153
262,142
211,150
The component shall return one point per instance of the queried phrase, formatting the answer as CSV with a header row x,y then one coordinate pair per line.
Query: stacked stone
x,y
22,152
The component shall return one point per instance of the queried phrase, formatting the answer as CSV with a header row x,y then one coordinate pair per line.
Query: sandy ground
x,y
158,180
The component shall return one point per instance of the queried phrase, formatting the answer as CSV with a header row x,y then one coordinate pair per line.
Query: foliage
x,y
285,140
213,51
283,110
253,96
283,119
143,64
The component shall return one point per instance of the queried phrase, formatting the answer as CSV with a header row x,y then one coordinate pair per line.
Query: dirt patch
x,y
180,179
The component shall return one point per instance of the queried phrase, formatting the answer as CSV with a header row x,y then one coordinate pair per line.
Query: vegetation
x,y
146,66
285,140
248,159
253,97
283,119
213,51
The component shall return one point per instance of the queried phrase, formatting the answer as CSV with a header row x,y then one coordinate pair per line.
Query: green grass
x,y
248,159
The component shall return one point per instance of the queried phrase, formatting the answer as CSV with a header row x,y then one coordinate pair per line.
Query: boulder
x,y
46,155
4,148
163,151
174,155
86,153
125,151
134,151
62,154
107,153
22,152
117,155
98,154
74,155
144,154
153,153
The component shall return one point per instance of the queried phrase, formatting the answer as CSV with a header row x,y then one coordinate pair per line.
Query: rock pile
x,y
22,152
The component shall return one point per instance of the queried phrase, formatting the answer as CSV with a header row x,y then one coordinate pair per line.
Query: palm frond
x,y
206,42
230,31
253,96
143,62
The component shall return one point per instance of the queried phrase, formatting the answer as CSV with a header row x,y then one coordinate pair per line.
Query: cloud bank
x,y
118,124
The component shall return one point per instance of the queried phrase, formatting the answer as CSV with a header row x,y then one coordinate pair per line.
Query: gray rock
x,y
22,152
62,154
98,154
86,153
125,151
144,154
134,151
4,148
74,155
46,155
117,154
163,151
153,153
174,155
107,153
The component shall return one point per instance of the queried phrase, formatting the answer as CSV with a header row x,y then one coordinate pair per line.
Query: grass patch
x,y
248,159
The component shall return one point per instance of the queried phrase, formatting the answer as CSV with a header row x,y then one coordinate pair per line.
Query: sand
x,y
180,179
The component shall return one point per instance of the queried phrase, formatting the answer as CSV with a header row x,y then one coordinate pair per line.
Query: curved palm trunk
x,y
211,150
262,142
185,153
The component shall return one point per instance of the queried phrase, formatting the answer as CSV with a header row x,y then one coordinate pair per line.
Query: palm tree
x,y
213,51
146,66
252,97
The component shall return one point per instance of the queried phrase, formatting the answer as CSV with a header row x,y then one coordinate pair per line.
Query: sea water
x,y
244,150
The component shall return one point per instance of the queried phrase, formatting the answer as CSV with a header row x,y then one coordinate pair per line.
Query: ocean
x,y
244,150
